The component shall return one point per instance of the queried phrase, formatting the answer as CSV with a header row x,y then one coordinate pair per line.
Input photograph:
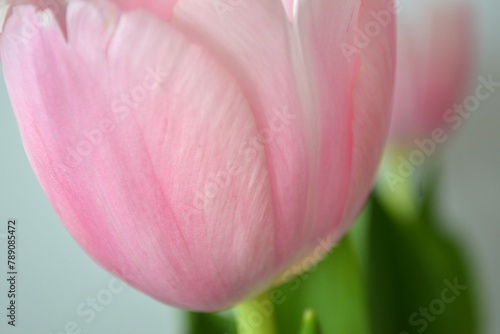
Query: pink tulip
x,y
199,148
433,64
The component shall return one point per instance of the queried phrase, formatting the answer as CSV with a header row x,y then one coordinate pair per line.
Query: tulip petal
x,y
355,89
373,92
266,53
161,8
252,37
137,136
4,10
289,8
321,28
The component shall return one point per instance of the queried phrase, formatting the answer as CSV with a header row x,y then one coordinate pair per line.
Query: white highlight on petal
x,y
45,18
4,10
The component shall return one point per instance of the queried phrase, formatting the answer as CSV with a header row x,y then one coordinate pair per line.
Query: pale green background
x,y
56,276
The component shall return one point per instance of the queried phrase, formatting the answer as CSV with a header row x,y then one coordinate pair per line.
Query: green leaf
x,y
206,323
310,323
334,289
418,280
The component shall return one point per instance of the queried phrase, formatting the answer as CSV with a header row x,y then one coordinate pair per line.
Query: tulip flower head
x,y
433,65
198,148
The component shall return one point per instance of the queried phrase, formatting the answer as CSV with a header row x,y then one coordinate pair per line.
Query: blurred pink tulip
x,y
198,148
433,64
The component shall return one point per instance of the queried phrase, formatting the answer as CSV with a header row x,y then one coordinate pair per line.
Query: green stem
x,y
310,323
397,190
254,316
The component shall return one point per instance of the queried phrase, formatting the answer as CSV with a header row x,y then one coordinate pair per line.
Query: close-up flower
x,y
249,167
194,151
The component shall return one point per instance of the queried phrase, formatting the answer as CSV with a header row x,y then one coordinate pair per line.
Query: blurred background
x,y
61,290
